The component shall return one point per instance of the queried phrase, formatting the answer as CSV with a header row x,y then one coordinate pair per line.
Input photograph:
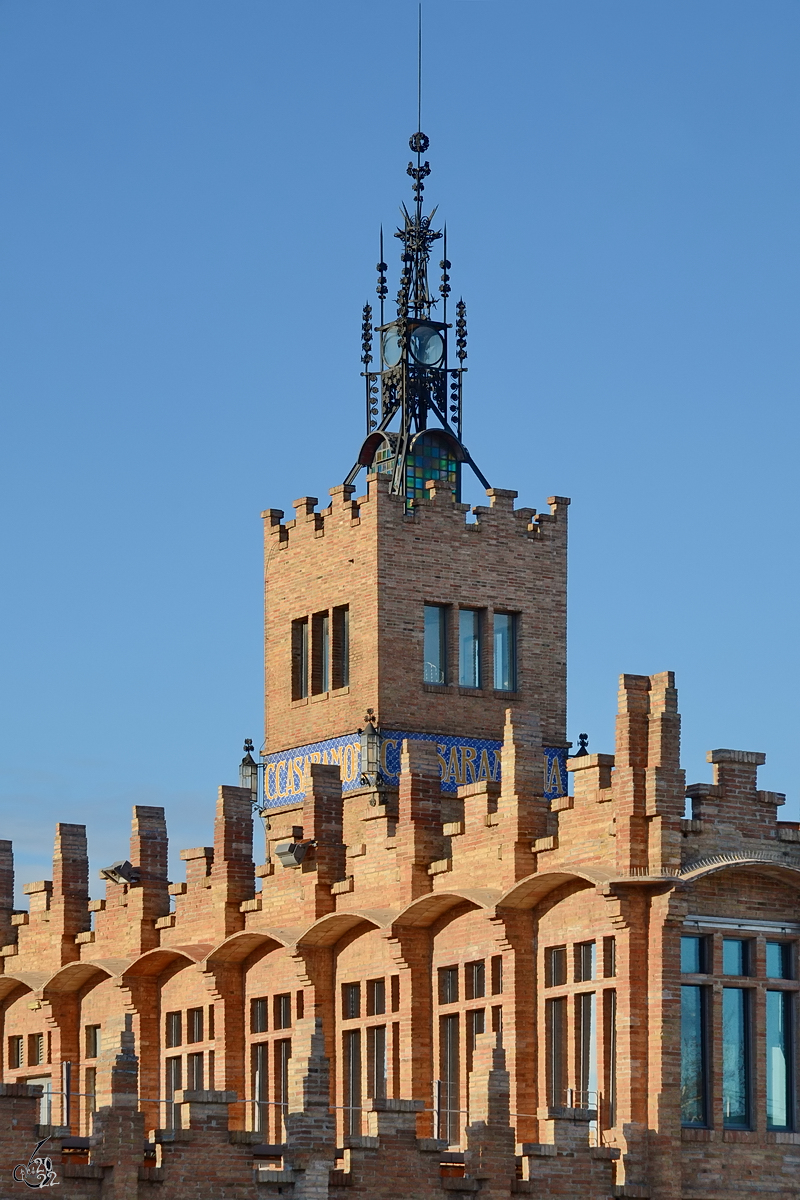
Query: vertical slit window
x,y
92,1041
610,1037
469,648
283,1052
735,1058
505,652
693,955
351,1001
90,1097
194,1072
779,960
735,957
497,975
449,1123
475,980
780,1084
282,1011
555,966
556,1026
435,644
194,1025
376,997
376,1060
258,1015
173,1085
609,957
586,1035
300,658
260,1086
448,985
585,962
320,653
694,1055
340,656
352,1081
15,1052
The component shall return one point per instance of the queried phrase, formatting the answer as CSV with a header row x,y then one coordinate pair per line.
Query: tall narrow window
x,y
475,980
15,1053
449,1115
340,657
435,644
735,1058
505,652
555,966
376,1061
476,1023
35,1049
352,1081
694,1051
320,653
556,1026
282,1011
585,962
260,1054
194,1072
173,1035
194,1025
610,1035
211,1022
90,1097
92,1041
586,1030
376,997
497,974
172,1085
448,985
469,648
300,658
780,1088
258,1015
609,957
351,1001
283,1052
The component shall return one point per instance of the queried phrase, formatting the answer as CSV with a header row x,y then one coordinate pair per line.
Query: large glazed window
x,y
435,644
505,652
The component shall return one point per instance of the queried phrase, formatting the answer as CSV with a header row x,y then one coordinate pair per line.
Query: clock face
x,y
427,346
391,348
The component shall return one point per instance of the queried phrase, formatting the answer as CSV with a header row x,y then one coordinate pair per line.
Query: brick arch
x,y
328,930
244,945
74,977
529,892
430,908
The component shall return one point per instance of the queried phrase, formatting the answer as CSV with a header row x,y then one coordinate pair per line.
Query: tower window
x,y
320,651
505,652
435,647
300,658
340,658
469,648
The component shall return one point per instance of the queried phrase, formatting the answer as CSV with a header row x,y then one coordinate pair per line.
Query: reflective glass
x,y
469,648
779,1060
693,956
391,348
693,1057
735,1055
427,346
734,956
435,645
505,652
779,960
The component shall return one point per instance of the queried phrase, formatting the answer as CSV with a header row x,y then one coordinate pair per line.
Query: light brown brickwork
x,y
474,992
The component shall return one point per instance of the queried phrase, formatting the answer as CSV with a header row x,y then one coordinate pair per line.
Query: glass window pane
x,y
435,645
692,955
693,1056
734,956
779,1060
505,652
469,655
779,960
735,1083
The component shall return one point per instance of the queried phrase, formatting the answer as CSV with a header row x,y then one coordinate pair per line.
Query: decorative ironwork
x,y
414,384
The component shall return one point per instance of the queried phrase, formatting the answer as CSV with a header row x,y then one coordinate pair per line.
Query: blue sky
x,y
190,200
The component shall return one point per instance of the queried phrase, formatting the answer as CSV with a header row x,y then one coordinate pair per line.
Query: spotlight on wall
x,y
291,854
120,872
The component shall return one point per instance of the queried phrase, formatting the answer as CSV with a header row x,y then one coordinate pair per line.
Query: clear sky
x,y
190,198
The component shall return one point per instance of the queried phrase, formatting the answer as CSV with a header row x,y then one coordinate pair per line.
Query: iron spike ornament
x,y
413,398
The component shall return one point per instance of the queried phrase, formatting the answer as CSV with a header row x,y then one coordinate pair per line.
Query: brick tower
x,y
397,604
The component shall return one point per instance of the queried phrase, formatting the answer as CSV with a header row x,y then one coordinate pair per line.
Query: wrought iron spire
x,y
414,382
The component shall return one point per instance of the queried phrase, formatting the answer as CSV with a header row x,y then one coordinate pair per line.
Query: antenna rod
x,y
419,67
